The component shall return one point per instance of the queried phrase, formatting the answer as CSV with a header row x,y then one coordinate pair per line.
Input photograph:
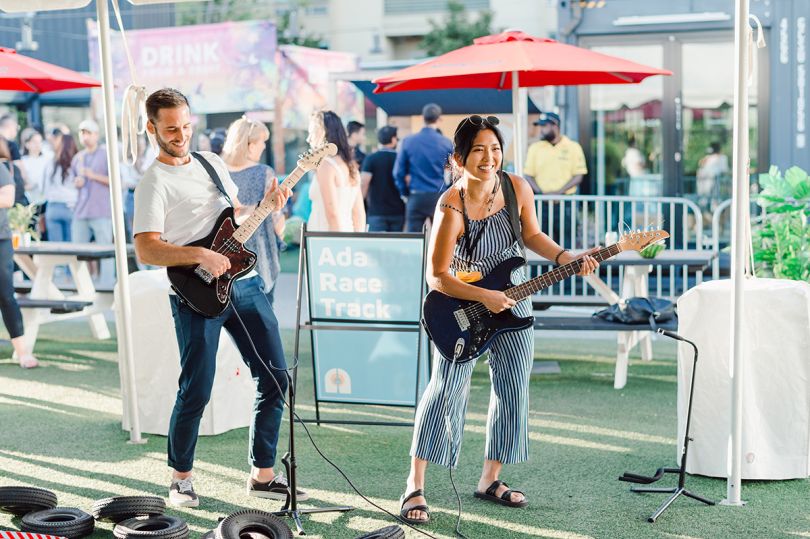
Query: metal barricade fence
x,y
582,221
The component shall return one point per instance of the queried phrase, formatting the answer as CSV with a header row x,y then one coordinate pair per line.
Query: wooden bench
x,y
56,306
590,323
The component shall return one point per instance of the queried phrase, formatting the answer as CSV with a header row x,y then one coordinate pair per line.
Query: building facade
x,y
681,126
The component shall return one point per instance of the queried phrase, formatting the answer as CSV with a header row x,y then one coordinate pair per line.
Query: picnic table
x,y
50,301
634,283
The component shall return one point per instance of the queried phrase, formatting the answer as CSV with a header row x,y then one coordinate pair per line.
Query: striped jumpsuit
x,y
510,362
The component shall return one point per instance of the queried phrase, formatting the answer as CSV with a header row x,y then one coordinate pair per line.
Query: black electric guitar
x,y
209,295
463,330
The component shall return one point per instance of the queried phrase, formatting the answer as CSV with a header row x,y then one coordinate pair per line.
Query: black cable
x,y
448,428
324,457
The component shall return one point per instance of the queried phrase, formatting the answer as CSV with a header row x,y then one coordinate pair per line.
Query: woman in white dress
x,y
337,201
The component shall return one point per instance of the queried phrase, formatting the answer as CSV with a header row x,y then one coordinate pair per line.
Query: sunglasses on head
x,y
489,121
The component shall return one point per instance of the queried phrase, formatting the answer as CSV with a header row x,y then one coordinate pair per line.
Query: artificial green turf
x,y
60,429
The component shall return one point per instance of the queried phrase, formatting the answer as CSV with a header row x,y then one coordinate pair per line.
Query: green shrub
x,y
781,236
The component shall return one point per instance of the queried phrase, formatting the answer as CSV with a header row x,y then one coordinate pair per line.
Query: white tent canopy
x,y
123,308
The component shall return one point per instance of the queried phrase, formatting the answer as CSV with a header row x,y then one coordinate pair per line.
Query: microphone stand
x,y
290,507
681,471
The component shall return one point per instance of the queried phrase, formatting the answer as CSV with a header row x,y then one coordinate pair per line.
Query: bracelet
x,y
557,258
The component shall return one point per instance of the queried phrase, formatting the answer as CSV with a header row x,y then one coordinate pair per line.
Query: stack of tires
x,y
251,523
139,517
39,513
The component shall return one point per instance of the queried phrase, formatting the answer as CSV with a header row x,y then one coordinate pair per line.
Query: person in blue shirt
x,y
420,169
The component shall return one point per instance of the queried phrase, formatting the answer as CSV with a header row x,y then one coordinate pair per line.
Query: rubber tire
x,y
389,532
160,527
208,535
124,507
252,521
21,500
62,521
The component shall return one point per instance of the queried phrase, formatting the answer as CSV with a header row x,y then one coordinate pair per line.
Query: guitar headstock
x,y
638,240
313,157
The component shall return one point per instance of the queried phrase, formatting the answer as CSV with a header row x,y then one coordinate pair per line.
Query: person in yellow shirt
x,y
555,163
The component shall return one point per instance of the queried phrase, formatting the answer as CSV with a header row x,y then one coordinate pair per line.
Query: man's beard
x,y
548,137
166,147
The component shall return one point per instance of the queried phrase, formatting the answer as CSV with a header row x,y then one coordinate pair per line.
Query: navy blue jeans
x,y
420,208
198,338
385,223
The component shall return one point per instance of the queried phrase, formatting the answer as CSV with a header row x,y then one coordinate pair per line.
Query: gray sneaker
x,y
181,494
275,489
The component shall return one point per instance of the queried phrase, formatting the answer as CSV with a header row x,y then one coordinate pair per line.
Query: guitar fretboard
x,y
559,273
251,224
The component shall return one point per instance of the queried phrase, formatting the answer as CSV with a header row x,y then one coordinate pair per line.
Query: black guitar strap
x,y
512,207
209,168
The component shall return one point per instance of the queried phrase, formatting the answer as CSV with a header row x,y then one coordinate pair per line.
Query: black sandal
x,y
403,512
503,499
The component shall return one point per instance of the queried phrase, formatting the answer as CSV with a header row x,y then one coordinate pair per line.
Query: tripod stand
x,y
681,471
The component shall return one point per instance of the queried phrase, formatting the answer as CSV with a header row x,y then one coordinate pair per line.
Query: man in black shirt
x,y
386,211
356,133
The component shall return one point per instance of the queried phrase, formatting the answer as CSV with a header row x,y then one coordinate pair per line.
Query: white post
x,y
518,118
124,306
739,234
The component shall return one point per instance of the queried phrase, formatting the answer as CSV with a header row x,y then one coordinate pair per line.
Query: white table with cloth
x,y
776,378
157,365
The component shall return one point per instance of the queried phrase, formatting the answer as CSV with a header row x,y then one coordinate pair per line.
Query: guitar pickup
x,y
461,319
204,275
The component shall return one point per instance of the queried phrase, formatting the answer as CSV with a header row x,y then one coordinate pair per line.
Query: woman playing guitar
x,y
471,235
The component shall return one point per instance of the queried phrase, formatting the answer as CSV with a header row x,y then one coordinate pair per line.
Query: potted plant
x,y
21,221
781,235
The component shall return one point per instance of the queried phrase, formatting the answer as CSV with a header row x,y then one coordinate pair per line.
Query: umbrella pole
x,y
517,119
123,304
739,244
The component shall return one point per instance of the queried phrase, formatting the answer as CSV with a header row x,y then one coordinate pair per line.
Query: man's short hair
x,y
7,117
165,98
431,113
353,127
386,134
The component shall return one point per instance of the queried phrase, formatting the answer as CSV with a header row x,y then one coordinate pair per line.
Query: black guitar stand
x,y
681,471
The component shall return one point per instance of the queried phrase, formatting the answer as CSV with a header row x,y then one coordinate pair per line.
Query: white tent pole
x,y
738,247
517,118
123,304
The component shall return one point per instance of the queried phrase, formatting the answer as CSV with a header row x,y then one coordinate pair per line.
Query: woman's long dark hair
x,y
62,160
336,134
464,138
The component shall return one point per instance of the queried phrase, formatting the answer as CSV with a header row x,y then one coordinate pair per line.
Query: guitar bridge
x,y
461,319
204,275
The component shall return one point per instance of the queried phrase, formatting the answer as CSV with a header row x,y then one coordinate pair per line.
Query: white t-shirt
x,y
181,202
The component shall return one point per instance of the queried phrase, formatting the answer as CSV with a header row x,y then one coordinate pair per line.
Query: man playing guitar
x,y
176,203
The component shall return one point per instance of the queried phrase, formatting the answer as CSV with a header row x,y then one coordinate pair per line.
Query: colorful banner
x,y
373,283
226,67
304,85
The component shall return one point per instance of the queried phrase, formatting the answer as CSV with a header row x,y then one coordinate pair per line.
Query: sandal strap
x,y
507,496
423,508
416,493
493,488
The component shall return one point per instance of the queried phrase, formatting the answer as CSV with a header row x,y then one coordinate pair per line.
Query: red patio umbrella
x,y
25,74
516,60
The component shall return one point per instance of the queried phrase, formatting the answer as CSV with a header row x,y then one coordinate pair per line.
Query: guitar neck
x,y
558,274
251,224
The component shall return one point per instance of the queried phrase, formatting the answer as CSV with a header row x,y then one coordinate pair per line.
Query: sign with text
x,y
372,284
375,279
